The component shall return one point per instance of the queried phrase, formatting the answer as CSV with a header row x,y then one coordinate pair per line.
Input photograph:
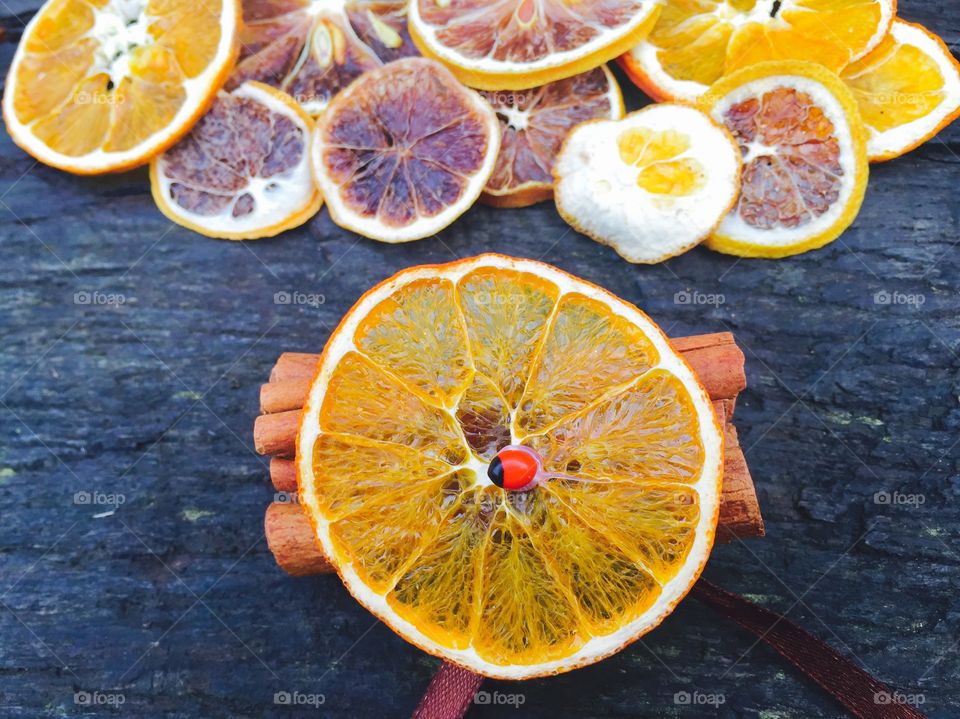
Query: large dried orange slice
x,y
533,125
404,151
243,172
695,42
105,85
519,44
311,49
804,151
652,185
431,382
908,89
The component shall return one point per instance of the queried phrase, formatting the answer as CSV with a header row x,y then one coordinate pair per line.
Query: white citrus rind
x,y
733,224
598,193
488,65
422,227
293,190
198,90
707,486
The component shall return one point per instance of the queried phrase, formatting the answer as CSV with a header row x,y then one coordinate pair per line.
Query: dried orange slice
x,y
804,151
652,185
311,49
243,172
519,44
908,89
404,151
533,124
103,86
439,369
695,42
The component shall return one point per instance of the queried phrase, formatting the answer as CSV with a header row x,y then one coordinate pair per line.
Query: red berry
x,y
514,468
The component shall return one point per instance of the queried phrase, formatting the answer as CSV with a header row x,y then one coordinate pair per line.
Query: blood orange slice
x,y
404,151
243,172
519,44
533,125
431,376
311,49
804,151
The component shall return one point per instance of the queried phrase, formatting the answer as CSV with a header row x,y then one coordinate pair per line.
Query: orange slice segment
x,y
804,158
695,43
243,172
652,185
404,151
396,439
311,49
519,44
533,125
907,89
102,87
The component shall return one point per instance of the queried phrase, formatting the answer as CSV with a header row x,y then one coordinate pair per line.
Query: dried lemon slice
x,y
435,371
104,86
804,152
404,151
652,185
244,171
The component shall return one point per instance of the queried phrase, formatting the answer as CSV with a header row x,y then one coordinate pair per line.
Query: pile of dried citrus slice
x,y
511,104
426,379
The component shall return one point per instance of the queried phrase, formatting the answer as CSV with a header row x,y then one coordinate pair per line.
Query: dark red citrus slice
x,y
404,151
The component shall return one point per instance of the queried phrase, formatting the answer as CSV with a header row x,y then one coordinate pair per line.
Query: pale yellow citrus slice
x,y
533,125
430,375
695,42
404,151
652,185
519,44
908,89
311,49
243,172
104,86
804,151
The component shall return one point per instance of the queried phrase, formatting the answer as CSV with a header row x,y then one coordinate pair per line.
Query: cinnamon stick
x,y
291,540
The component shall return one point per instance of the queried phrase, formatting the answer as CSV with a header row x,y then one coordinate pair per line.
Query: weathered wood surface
x,y
174,601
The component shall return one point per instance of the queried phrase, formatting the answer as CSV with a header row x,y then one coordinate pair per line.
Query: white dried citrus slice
x,y
519,44
104,86
804,151
424,387
311,49
243,172
907,89
404,151
533,125
695,42
652,185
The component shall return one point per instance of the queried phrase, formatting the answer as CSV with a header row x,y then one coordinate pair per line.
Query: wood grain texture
x,y
173,598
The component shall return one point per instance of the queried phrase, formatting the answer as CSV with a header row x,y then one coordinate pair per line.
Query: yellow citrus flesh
x,y
243,171
804,158
425,379
311,49
533,125
907,89
103,86
520,44
696,42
